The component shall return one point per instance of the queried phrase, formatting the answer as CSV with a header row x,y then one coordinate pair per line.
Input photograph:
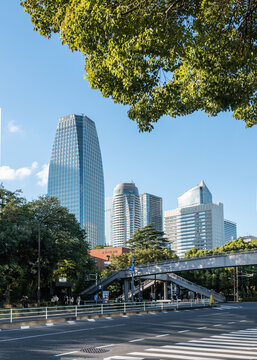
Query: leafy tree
x,y
148,246
161,57
147,238
64,250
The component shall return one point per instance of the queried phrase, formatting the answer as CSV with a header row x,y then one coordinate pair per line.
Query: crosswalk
x,y
236,345
227,307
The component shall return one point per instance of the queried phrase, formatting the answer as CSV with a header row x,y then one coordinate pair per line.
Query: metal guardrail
x,y
16,315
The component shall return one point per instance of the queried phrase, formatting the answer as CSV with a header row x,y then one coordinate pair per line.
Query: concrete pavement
x,y
228,332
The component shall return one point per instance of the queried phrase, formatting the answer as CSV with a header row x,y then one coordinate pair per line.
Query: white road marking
x,y
174,356
71,322
206,348
162,335
223,342
61,333
135,340
108,318
104,346
123,358
68,353
49,324
202,353
216,345
217,325
231,322
91,320
202,327
232,337
25,327
227,341
125,316
183,331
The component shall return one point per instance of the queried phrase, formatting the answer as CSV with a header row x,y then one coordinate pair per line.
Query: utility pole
x,y
234,284
237,284
132,280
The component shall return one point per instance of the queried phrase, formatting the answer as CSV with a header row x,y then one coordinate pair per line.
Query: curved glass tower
x,y
76,174
125,214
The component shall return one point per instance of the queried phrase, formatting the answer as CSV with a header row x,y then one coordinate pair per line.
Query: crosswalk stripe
x,y
202,353
237,334
123,358
242,335
171,356
245,332
224,342
227,336
217,345
193,348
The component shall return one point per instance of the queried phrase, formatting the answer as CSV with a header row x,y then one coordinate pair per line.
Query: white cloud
x,y
7,173
43,175
13,127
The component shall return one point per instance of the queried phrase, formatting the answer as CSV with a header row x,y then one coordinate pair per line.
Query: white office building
x,y
196,223
125,213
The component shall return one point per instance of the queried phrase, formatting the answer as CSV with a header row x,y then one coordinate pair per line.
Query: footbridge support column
x,y
126,290
165,290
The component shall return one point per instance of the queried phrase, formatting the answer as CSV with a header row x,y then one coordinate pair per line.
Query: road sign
x,y
131,268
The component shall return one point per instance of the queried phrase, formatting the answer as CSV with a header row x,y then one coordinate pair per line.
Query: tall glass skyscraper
x,y
125,214
151,211
76,174
230,230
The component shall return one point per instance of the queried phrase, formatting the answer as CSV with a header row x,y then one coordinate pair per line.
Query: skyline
x,y
41,80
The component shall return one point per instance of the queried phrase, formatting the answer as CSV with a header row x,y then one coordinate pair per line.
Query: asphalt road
x,y
228,332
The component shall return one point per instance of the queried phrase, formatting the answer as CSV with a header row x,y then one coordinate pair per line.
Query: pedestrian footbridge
x,y
159,270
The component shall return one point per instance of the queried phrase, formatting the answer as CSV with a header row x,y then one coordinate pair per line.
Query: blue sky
x,y
41,80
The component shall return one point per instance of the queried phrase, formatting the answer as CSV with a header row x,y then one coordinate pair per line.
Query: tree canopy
x,y
147,238
64,249
162,57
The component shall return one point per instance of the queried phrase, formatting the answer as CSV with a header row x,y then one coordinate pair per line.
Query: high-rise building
x,y
196,223
151,211
108,210
230,231
125,214
76,174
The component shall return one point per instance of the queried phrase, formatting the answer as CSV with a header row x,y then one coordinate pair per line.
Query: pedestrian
x,y
56,299
96,298
66,300
71,300
23,301
78,300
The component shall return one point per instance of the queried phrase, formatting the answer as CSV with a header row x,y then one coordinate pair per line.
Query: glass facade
x,y
76,174
230,230
108,210
198,195
125,214
151,211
